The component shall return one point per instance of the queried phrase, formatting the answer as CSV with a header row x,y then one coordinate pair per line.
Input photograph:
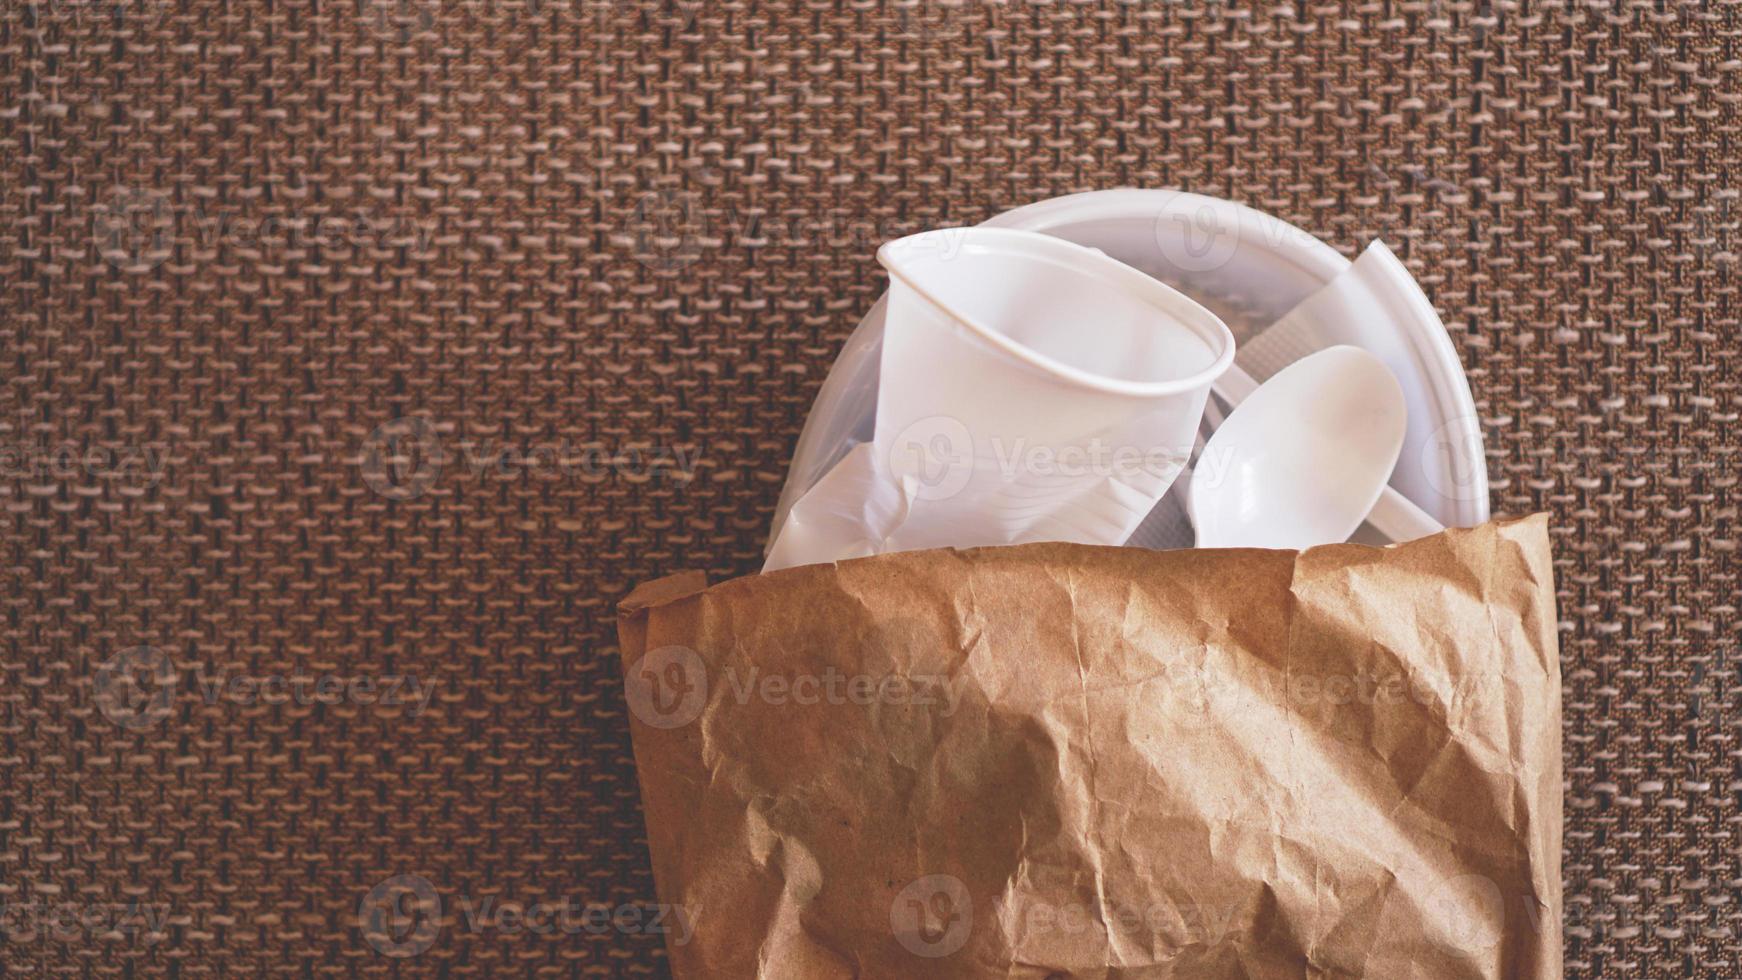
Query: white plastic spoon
x,y
1303,458
1393,515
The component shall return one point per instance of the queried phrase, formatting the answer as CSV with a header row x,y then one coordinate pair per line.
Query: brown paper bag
x,y
1068,761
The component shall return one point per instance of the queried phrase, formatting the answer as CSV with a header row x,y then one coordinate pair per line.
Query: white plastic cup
x,y
1033,389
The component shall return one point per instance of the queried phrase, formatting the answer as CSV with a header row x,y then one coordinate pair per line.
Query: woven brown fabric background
x,y
626,239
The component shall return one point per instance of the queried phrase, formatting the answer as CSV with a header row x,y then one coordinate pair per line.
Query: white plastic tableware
x,y
1250,269
1033,389
1302,459
1394,516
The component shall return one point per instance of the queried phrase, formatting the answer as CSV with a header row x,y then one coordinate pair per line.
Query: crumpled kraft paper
x,y
1069,761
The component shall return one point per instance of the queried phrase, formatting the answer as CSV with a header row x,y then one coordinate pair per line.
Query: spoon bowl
x,y
1303,458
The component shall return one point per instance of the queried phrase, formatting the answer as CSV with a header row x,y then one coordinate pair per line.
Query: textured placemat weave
x,y
356,356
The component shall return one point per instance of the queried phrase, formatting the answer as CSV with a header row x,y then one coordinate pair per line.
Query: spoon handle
x,y
1398,518
1394,515
1234,385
